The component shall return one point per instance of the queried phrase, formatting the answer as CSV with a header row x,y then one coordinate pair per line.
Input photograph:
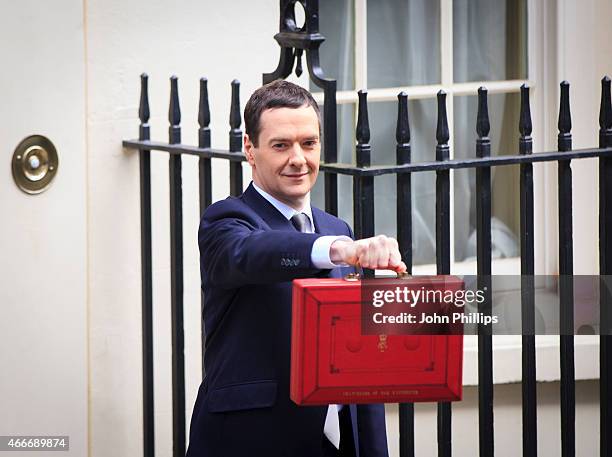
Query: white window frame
x,y
542,18
419,92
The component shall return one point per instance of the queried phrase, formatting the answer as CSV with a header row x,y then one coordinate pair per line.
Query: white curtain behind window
x,y
404,49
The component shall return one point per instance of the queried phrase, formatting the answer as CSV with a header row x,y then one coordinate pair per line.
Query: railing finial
x,y
204,115
235,119
483,125
235,135
525,126
442,133
143,107
402,129
605,108
362,132
203,108
174,112
565,119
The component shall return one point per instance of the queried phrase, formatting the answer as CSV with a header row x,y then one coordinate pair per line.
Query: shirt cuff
x,y
320,251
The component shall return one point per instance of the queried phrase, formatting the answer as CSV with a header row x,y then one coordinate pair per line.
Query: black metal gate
x,y
294,42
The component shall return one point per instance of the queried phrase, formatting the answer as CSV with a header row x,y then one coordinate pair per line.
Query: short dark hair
x,y
277,94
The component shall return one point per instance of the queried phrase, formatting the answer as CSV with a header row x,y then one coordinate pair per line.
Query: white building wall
x,y
190,39
43,238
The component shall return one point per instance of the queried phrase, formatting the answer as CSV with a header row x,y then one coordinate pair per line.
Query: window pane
x,y
489,40
383,119
504,115
346,147
336,54
403,42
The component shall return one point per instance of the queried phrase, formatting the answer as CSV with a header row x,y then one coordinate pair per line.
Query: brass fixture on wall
x,y
34,164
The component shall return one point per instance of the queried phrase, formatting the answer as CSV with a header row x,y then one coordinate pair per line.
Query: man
x,y
251,247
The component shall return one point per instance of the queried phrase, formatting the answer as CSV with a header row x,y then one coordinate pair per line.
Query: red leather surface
x,y
332,362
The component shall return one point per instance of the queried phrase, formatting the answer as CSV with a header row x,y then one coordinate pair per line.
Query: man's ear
x,y
248,150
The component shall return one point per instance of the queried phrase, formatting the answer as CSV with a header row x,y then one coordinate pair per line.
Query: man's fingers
x,y
395,258
363,254
401,268
383,246
379,252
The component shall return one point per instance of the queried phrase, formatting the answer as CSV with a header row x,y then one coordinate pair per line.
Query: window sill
x,y
507,358
507,348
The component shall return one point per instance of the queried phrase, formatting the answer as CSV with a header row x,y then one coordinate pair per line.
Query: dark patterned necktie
x,y
301,223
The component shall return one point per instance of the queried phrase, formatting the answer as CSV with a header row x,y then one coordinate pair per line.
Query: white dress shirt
x,y
320,248
320,259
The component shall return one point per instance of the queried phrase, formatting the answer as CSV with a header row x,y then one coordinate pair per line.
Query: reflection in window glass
x,y
403,39
489,40
403,42
383,119
504,116
346,146
336,54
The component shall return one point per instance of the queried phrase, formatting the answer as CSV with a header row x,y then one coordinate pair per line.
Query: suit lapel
x,y
273,217
321,223
276,221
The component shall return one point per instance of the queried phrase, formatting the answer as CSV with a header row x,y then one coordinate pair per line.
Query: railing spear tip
x,y
362,132
442,132
143,107
402,129
203,110
565,118
482,118
605,108
235,118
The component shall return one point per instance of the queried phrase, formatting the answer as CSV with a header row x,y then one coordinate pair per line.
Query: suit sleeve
x,y
235,252
350,230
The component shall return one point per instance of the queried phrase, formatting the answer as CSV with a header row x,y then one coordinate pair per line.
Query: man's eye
x,y
279,145
310,143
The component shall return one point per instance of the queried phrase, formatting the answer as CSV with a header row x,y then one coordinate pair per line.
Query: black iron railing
x,y
294,42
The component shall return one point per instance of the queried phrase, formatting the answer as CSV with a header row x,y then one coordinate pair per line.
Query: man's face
x,y
286,161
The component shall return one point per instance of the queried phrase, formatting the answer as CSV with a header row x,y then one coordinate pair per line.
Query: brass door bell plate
x,y
35,164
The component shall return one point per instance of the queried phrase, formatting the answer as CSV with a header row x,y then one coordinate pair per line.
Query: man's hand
x,y
380,252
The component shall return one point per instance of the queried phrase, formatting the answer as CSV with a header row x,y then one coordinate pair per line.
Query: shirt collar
x,y
285,209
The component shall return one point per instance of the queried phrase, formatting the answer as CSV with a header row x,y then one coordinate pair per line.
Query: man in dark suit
x,y
251,247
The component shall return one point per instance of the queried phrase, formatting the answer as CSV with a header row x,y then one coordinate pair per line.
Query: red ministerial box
x,y
332,362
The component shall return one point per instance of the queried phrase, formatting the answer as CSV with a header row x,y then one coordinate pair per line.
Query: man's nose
x,y
297,156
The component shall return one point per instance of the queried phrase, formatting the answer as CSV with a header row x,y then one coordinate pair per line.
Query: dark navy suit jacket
x,y
249,253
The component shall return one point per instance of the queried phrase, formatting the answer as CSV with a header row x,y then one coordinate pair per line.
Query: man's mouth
x,y
295,175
